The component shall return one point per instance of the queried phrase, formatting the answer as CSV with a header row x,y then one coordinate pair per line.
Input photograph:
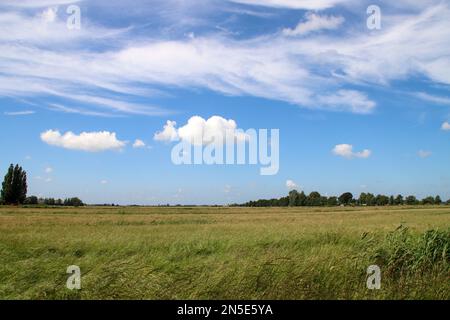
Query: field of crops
x,y
225,253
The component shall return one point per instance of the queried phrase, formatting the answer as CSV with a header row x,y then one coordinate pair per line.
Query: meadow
x,y
225,253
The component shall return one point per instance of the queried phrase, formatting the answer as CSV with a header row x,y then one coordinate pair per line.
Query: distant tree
x,y
49,202
346,198
293,197
438,200
33,200
283,202
411,200
14,186
391,201
381,200
73,202
370,199
332,201
362,200
398,200
301,200
428,200
448,202
314,199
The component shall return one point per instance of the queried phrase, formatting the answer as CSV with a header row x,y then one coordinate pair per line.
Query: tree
x,y
370,199
301,200
428,200
411,200
362,199
293,196
49,202
381,200
398,200
438,200
33,200
73,202
14,186
391,200
346,198
313,199
332,201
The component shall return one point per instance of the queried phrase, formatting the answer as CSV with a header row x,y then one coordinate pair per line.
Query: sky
x,y
94,95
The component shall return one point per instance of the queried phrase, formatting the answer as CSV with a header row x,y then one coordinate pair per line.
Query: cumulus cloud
x,y
138,144
169,132
346,151
85,141
291,184
314,22
200,131
445,126
424,154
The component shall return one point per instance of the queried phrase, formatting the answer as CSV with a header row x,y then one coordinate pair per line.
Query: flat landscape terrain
x,y
225,253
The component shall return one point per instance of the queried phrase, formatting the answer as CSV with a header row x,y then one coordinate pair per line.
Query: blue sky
x,y
358,110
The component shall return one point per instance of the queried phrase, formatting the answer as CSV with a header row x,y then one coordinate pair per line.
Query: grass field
x,y
225,253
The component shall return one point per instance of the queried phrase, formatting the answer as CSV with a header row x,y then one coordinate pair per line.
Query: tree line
x,y
315,199
14,191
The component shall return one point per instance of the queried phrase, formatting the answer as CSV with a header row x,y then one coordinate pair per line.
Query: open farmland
x,y
225,253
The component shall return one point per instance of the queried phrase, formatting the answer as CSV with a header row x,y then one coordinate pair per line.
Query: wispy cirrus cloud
x,y
19,113
292,4
314,23
38,3
433,98
326,72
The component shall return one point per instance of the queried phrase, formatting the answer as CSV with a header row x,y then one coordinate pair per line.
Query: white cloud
x,y
433,98
445,126
20,113
49,15
347,100
104,182
314,22
48,170
314,72
37,3
291,184
169,132
200,131
138,144
293,4
86,141
424,154
346,151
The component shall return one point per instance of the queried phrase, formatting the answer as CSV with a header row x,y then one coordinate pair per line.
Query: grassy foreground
x,y
225,253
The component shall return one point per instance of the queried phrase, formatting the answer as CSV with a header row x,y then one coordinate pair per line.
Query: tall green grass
x,y
225,253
